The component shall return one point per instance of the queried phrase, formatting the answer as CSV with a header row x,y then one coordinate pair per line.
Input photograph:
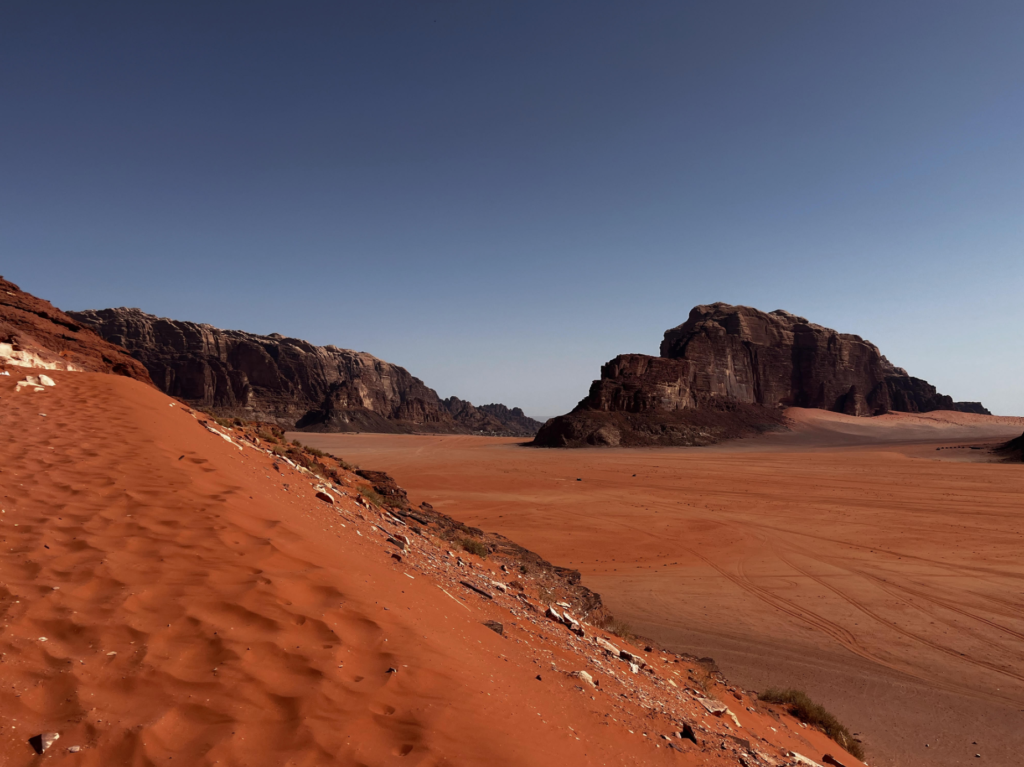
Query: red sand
x,y
842,558
170,598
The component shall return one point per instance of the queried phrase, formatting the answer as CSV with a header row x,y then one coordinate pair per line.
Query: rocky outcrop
x,y
1012,451
35,334
493,418
971,407
727,372
291,382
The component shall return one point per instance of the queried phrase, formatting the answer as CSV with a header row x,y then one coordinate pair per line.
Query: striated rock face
x,y
33,333
291,382
727,371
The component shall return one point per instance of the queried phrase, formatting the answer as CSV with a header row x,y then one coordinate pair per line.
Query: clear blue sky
x,y
501,196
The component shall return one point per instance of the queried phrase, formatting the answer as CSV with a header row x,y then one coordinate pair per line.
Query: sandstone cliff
x,y
33,333
728,371
291,382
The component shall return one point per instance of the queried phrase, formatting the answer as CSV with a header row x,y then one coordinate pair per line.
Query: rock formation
x,y
971,407
1012,451
728,371
33,333
291,382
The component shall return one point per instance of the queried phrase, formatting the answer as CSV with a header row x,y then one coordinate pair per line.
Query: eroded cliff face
x,y
36,334
286,381
742,365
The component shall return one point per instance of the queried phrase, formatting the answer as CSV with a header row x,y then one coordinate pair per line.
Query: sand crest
x,y
170,597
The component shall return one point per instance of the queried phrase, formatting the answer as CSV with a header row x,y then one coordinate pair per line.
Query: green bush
x,y
809,712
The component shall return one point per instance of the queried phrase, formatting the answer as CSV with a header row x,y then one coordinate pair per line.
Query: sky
x,y
502,196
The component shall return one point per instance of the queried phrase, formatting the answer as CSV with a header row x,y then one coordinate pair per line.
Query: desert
x,y
874,563
174,592
511,384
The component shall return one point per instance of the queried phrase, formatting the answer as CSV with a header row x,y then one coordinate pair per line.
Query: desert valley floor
x,y
851,558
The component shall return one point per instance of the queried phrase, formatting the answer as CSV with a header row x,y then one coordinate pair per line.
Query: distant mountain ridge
x,y
728,371
292,382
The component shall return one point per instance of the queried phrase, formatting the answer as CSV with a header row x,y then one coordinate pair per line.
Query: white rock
x,y
604,644
46,381
47,739
804,760
584,676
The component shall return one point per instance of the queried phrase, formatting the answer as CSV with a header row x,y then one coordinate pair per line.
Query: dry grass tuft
x,y
806,710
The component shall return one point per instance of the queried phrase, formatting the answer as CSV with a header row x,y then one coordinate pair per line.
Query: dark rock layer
x,y
291,382
1012,451
33,333
727,372
971,407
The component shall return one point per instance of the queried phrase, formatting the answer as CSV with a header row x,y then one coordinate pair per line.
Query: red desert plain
x,y
877,564
172,591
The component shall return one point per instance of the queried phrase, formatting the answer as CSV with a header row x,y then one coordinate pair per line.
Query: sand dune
x,y
171,597
850,558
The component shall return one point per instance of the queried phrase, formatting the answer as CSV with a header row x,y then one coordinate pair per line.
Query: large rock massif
x,y
728,371
35,334
291,382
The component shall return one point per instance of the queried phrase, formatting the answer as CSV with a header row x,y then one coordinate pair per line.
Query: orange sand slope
x,y
172,597
887,584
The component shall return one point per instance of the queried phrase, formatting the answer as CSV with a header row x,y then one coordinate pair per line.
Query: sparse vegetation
x,y
703,676
619,628
814,714
371,495
227,423
474,546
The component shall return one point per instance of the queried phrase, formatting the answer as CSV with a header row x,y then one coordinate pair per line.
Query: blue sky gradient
x,y
502,196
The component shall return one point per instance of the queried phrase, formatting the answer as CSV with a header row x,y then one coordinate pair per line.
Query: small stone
x,y
46,381
43,741
391,670
496,627
687,733
584,676
74,749
632,659
397,557
604,644
324,496
829,759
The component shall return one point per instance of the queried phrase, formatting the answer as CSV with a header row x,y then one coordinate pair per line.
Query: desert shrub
x,y
474,547
317,453
225,422
371,495
267,436
618,627
814,714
